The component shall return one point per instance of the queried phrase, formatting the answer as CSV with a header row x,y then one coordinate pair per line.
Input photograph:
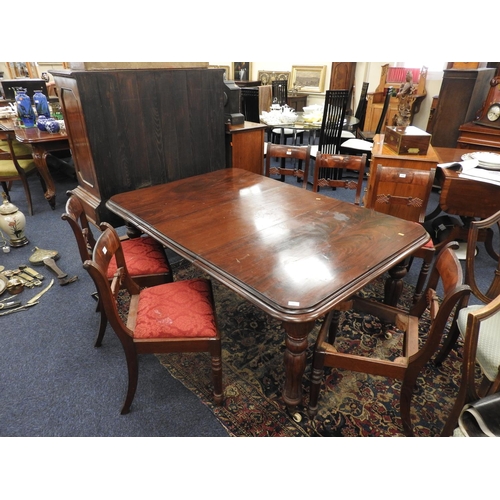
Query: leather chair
x,y
171,317
146,260
416,351
479,326
16,164
403,193
291,154
325,176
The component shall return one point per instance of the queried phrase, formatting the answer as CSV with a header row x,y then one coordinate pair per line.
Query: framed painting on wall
x,y
267,77
308,78
241,71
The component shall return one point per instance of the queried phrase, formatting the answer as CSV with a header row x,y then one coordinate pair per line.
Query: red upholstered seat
x,y
178,309
144,256
163,318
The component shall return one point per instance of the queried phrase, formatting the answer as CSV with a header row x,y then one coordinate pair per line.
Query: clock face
x,y
493,113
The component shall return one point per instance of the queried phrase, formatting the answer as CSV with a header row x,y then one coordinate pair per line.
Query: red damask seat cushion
x,y
179,309
143,256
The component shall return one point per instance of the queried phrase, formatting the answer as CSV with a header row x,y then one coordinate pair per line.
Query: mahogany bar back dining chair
x,y
294,161
147,262
326,166
416,349
403,193
166,318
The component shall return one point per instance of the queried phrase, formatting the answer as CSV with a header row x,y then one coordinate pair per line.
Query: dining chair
x,y
403,193
293,161
326,166
332,124
168,318
280,96
364,143
478,325
360,114
415,347
16,164
146,259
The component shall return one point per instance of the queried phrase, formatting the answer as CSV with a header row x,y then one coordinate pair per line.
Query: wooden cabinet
x,y
245,146
130,129
342,78
460,98
478,137
297,101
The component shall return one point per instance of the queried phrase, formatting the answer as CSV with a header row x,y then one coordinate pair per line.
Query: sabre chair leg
x,y
133,375
102,329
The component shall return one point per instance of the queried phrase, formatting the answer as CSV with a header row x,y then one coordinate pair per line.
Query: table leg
x,y
40,159
295,362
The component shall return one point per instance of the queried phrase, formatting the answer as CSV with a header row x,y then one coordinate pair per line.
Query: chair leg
x,y
102,329
317,373
133,375
217,378
448,344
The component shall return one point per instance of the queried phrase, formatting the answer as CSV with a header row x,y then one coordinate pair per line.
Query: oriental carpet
x,y
351,404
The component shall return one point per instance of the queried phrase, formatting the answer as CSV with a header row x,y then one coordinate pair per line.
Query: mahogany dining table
x,y
293,253
42,143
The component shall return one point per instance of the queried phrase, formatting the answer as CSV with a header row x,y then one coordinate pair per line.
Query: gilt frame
x,y
308,78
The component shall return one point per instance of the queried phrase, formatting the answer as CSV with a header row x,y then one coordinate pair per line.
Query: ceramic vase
x,y
24,108
40,123
51,125
41,104
12,223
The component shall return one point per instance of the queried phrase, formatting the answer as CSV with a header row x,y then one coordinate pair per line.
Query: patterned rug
x,y
351,404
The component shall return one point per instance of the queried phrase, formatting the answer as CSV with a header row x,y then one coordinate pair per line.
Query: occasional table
x,y
42,143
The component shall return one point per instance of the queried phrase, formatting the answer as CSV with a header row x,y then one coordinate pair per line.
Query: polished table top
x,y
293,253
31,134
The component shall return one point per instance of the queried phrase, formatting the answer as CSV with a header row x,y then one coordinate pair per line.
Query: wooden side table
x,y
245,146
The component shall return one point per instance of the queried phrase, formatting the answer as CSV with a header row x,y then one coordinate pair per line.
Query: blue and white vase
x,y
41,104
40,123
51,125
24,108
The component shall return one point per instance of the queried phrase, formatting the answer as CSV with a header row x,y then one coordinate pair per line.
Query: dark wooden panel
x,y
144,127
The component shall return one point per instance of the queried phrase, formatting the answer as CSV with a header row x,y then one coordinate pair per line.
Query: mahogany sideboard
x,y
129,129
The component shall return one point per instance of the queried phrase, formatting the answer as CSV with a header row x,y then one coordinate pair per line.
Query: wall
x,y
365,72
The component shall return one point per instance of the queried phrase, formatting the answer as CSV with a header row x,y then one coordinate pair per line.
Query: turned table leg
x,y
295,362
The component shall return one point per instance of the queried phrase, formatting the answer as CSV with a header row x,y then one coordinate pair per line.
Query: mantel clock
x,y
489,115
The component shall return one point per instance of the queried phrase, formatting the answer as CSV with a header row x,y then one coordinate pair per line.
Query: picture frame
x,y
308,78
266,77
242,71
227,71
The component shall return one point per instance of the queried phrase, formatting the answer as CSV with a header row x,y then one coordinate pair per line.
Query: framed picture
x,y
227,71
308,78
241,71
267,77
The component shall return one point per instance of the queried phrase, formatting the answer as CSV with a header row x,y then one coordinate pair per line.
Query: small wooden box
x,y
407,140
